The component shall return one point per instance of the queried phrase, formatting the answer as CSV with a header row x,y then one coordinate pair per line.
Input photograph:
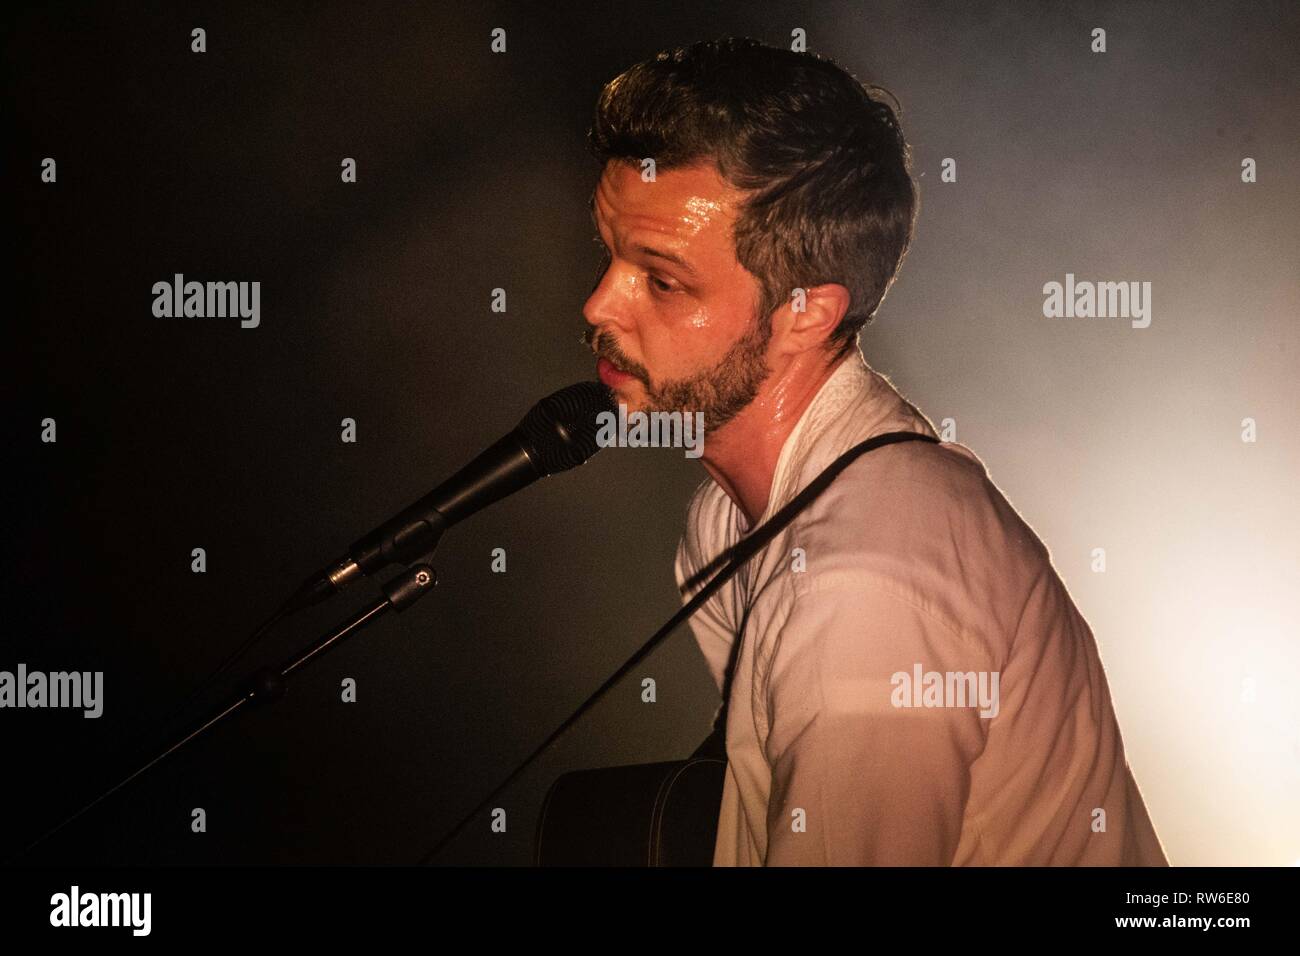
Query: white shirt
x,y
912,562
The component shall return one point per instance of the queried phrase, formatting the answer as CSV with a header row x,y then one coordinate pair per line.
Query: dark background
x,y
472,174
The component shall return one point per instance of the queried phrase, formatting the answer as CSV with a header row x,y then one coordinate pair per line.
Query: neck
x,y
742,455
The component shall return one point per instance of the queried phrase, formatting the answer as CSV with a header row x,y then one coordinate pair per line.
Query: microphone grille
x,y
560,430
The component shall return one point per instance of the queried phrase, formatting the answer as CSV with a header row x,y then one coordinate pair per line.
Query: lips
x,y
611,374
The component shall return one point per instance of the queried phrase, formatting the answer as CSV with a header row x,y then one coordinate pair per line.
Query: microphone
x,y
559,433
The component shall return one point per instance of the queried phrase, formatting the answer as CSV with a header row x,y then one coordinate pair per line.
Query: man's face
x,y
674,315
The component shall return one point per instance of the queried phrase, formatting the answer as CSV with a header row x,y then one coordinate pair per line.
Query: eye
x,y
659,284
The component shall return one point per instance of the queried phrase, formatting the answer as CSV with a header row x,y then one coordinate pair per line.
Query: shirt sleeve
x,y
858,778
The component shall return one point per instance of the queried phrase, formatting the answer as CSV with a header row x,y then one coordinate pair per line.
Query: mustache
x,y
604,345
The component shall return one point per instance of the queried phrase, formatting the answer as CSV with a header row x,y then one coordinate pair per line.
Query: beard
x,y
721,391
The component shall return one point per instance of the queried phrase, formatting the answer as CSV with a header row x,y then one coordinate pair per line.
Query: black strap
x,y
738,553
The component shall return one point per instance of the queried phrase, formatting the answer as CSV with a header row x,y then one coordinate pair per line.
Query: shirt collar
x,y
853,404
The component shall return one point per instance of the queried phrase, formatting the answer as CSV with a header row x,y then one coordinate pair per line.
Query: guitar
x,y
648,814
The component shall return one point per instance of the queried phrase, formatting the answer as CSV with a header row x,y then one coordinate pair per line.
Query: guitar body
x,y
649,814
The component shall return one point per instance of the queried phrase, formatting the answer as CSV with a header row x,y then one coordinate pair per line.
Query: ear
x,y
810,316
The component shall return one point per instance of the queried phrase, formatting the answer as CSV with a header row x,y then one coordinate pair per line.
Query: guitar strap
x,y
734,558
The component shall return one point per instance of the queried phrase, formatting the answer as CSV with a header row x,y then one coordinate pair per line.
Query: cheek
x,y
701,319
693,339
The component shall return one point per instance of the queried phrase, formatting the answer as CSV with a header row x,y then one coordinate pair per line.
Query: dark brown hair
x,y
826,167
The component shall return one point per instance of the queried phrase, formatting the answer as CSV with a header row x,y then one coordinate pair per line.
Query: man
x,y
905,678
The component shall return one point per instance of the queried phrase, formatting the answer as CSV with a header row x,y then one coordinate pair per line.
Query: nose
x,y
603,307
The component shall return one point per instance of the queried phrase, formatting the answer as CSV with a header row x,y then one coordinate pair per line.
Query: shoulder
x,y
926,489
924,523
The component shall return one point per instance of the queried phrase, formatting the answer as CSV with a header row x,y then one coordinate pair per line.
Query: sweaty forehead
x,y
683,202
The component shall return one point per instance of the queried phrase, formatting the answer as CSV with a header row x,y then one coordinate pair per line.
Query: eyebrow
x,y
669,257
646,250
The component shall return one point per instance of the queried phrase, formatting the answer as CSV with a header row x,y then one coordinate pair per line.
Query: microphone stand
x,y
268,683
